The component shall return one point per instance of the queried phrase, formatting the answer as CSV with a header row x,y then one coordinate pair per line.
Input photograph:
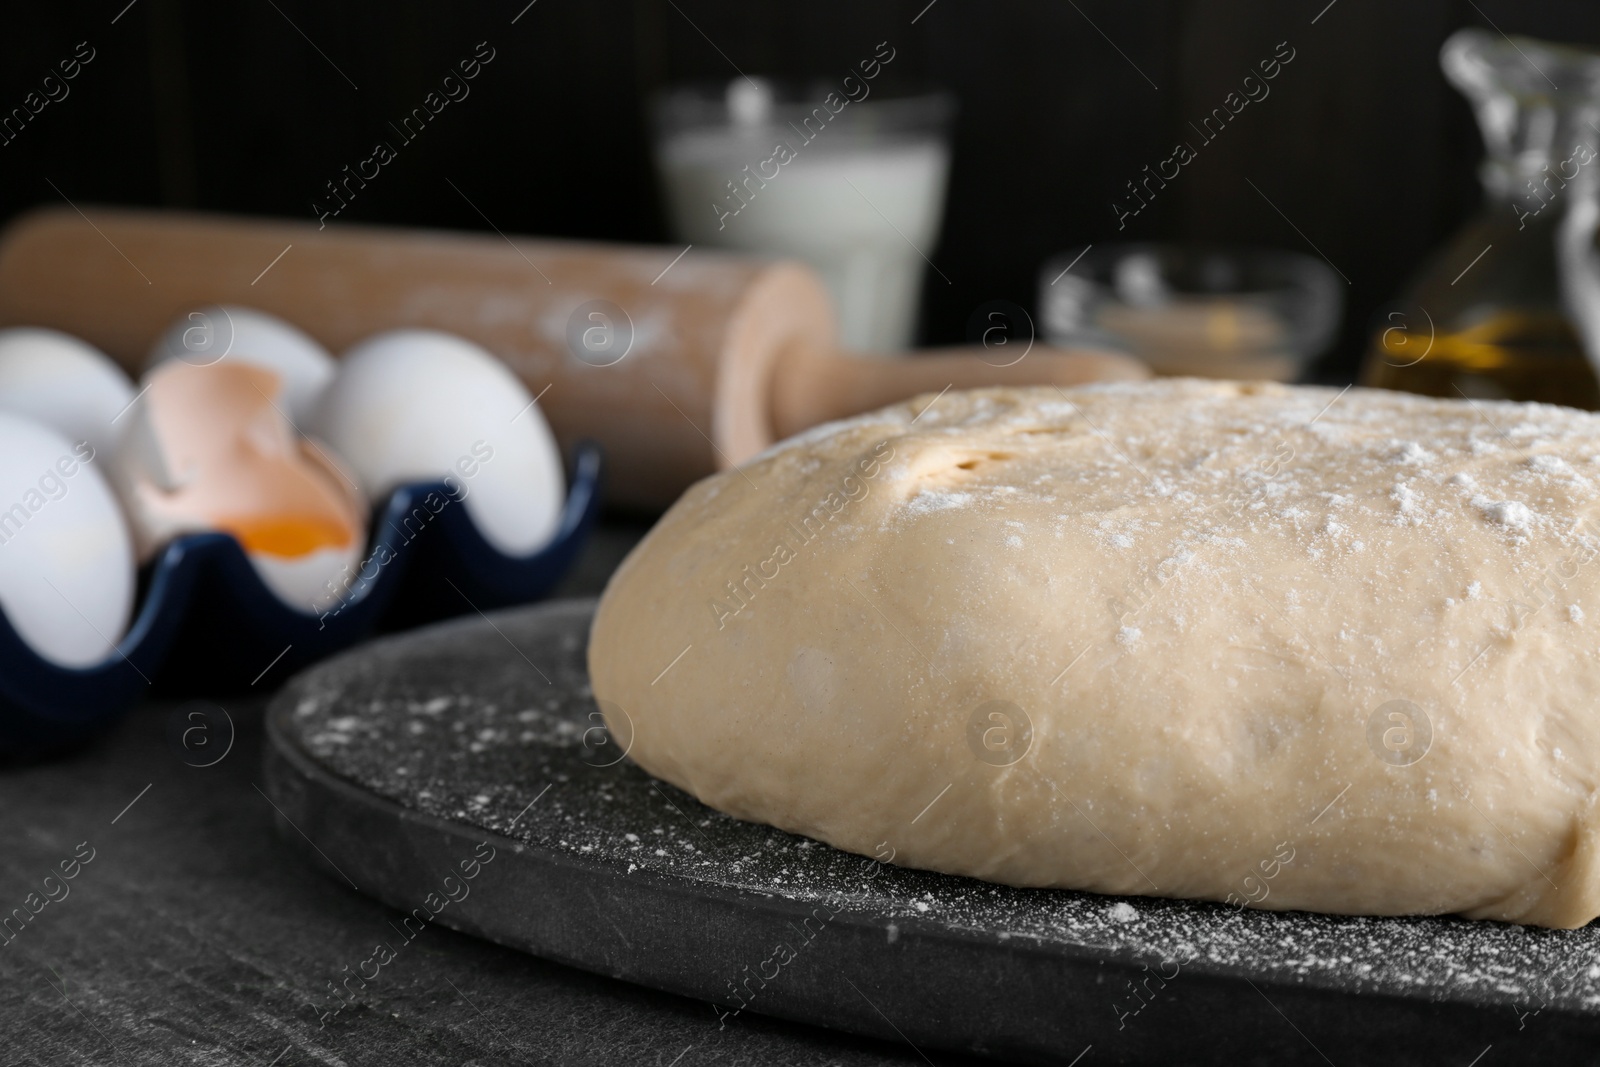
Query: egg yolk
x,y
287,535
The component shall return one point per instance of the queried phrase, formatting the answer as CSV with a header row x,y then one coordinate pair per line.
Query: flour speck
x,y
1548,464
1412,453
1511,514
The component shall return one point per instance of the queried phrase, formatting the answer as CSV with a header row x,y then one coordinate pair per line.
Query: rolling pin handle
x,y
812,385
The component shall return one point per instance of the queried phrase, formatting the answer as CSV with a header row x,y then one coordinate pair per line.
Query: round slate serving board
x,y
461,774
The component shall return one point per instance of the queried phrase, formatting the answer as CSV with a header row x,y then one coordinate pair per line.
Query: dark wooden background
x,y
252,105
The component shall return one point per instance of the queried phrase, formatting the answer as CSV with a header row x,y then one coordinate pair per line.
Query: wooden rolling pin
x,y
724,354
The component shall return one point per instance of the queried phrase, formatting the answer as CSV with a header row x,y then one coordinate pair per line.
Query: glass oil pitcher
x,y
1510,308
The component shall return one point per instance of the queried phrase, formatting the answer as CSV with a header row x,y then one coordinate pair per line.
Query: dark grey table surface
x,y
192,935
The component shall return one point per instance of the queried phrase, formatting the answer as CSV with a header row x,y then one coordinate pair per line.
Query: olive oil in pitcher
x,y
1510,308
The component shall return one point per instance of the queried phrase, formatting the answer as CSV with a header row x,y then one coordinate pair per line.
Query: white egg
x,y
211,334
65,383
419,405
66,558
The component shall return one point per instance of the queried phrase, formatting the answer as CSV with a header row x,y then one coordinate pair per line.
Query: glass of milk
x,y
846,180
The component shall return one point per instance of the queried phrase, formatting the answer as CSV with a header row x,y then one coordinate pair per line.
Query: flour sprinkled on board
x,y
555,797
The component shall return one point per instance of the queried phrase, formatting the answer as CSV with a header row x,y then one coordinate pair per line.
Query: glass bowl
x,y
1211,311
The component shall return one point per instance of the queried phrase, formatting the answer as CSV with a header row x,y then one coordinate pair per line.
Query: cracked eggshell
x,y
420,405
207,448
208,336
66,560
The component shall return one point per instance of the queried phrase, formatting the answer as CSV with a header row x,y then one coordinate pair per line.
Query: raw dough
x,y
1280,646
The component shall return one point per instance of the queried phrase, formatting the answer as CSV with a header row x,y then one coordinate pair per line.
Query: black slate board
x,y
394,764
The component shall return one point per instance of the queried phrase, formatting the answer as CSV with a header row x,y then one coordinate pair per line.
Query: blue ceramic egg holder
x,y
207,623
